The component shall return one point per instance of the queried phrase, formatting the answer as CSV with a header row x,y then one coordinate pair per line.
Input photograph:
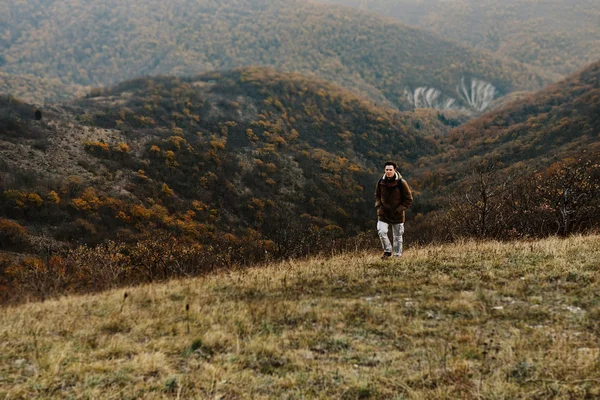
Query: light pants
x,y
397,232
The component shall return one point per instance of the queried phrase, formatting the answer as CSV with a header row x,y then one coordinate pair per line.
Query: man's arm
x,y
377,196
407,198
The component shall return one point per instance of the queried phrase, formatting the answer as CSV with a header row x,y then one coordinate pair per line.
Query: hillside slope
x,y
555,35
472,320
559,122
104,42
235,152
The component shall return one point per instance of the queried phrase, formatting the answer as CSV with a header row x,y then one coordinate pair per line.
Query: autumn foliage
x,y
179,176
375,57
556,37
562,199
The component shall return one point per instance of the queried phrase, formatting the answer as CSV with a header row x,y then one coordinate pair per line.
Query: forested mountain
x,y
529,169
560,122
557,35
96,43
220,153
173,176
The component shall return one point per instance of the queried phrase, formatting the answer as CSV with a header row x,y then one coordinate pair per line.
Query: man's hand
x,y
400,208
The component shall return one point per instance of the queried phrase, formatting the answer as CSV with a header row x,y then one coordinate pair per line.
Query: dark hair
x,y
393,164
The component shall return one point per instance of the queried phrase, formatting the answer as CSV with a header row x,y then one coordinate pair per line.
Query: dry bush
x,y
35,278
435,227
12,235
57,271
561,200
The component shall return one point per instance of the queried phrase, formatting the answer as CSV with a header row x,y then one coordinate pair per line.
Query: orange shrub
x,y
11,234
34,200
122,147
53,197
95,147
15,197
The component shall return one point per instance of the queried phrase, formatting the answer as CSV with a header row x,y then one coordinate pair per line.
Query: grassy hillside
x,y
471,320
555,35
104,42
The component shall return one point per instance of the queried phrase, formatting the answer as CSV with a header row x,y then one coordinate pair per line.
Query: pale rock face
x,y
427,97
479,95
476,96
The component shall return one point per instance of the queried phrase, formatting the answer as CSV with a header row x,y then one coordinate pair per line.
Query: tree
x,y
11,234
570,190
477,207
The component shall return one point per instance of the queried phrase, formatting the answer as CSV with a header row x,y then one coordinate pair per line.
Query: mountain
x,y
529,169
240,151
555,35
97,43
561,121
233,152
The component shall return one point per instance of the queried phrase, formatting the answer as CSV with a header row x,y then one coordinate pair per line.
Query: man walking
x,y
392,197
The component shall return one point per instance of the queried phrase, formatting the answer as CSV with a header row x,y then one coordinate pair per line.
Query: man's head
x,y
390,169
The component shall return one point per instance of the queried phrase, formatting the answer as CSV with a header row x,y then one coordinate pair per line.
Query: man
x,y
392,197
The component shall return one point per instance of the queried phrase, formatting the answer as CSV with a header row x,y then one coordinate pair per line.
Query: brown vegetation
x,y
553,35
562,199
557,124
375,57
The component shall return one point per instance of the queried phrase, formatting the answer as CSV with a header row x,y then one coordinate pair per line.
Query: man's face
x,y
389,171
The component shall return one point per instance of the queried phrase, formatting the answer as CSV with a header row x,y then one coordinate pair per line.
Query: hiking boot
x,y
386,254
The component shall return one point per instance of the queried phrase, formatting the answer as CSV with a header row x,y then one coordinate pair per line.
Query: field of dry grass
x,y
471,320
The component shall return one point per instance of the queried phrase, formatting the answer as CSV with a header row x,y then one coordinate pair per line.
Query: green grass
x,y
471,320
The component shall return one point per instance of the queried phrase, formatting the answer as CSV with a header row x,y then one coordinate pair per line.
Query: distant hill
x,y
98,43
560,122
221,153
556,35
32,89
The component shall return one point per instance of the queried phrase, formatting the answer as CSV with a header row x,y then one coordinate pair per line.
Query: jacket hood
x,y
398,176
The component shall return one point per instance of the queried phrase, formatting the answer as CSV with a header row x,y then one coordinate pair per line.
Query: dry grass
x,y
473,320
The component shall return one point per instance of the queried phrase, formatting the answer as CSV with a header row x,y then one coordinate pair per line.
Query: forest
x,y
562,121
70,45
276,164
554,35
250,165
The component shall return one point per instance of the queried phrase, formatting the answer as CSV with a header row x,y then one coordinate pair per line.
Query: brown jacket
x,y
391,199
